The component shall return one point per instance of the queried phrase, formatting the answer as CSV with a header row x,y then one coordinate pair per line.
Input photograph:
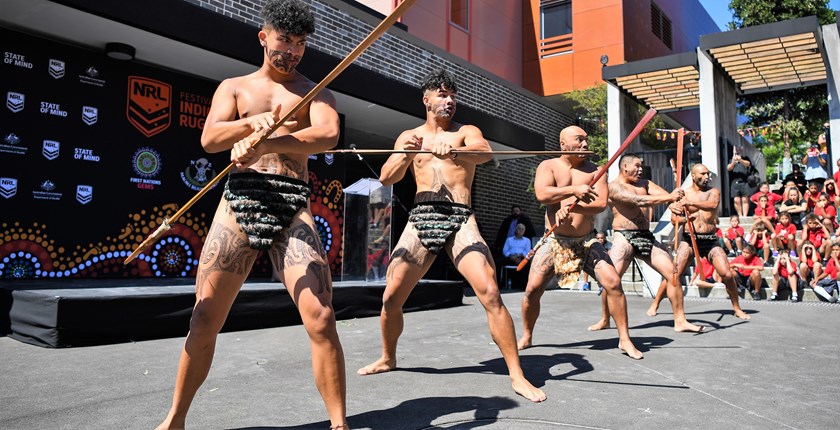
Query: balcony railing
x,y
555,45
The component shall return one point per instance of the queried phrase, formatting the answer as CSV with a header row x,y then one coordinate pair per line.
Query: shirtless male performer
x,y
572,247
442,220
702,202
265,206
631,198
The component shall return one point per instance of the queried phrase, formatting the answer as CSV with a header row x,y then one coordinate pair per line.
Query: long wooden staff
x,y
454,151
633,134
698,260
352,56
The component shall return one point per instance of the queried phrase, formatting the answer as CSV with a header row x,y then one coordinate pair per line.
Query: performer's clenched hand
x,y
562,213
413,143
244,154
585,193
677,194
442,150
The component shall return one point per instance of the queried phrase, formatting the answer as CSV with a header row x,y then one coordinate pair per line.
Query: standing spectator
x,y
692,155
760,240
815,163
739,189
764,190
733,239
810,262
748,269
795,206
837,173
784,276
787,164
515,249
825,284
797,177
508,227
785,233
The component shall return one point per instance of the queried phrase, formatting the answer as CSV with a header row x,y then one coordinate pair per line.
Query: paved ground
x,y
779,371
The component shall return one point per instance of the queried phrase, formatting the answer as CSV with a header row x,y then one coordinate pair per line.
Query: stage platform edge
x,y
73,312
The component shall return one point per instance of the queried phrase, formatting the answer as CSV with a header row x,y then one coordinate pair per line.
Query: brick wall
x,y
404,58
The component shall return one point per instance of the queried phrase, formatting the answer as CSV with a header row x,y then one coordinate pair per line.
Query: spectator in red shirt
x,y
826,213
837,173
733,237
748,267
760,240
785,276
812,195
816,233
784,237
764,190
830,189
810,262
765,211
825,284
711,279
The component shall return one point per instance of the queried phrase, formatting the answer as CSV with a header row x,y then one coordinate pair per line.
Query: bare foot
x,y
630,349
528,391
524,342
651,312
741,314
688,327
378,366
600,325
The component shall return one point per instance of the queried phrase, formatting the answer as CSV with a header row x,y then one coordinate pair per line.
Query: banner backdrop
x,y
94,152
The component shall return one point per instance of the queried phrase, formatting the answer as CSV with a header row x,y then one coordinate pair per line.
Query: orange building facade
x,y
552,47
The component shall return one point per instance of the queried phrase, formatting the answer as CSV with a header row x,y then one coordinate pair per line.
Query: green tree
x,y
799,113
591,107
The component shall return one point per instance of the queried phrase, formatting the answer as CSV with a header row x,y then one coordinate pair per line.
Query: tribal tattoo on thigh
x,y
224,251
406,252
469,240
299,244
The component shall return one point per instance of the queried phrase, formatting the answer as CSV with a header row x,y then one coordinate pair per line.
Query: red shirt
x,y
708,268
812,201
754,261
769,211
790,229
772,198
816,237
783,270
733,233
837,176
810,262
759,241
831,269
829,211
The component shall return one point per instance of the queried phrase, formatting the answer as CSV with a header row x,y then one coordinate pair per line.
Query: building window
x,y
459,13
555,17
660,24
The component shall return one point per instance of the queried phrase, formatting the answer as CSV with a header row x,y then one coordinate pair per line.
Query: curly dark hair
x,y
439,79
293,16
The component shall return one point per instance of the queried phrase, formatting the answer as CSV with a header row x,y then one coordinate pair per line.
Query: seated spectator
x,y
711,278
810,262
826,213
816,233
795,206
797,177
508,227
760,240
784,237
785,276
515,249
830,190
812,196
764,190
748,267
765,211
825,284
733,238
600,237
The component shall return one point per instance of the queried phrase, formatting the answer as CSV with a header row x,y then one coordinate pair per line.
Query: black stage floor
x,y
83,312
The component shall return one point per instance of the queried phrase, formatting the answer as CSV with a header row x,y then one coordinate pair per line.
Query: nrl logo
x,y
90,115
148,105
8,187
84,194
56,68
14,101
50,149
